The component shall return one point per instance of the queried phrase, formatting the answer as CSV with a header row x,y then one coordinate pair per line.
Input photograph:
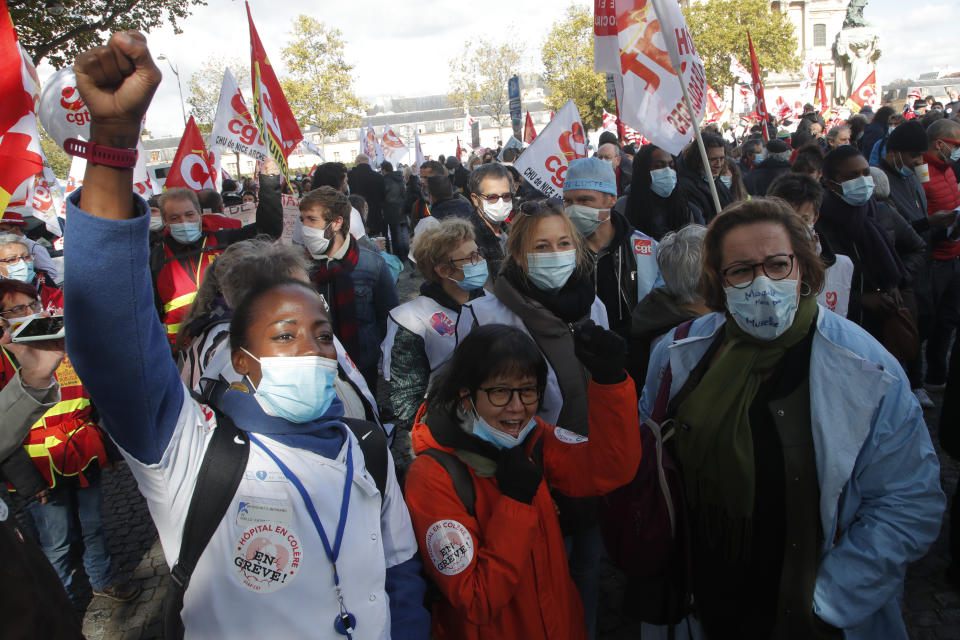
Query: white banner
x,y
544,163
606,48
78,166
234,127
654,39
393,147
62,111
47,200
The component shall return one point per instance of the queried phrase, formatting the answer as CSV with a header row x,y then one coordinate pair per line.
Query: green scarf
x,y
714,442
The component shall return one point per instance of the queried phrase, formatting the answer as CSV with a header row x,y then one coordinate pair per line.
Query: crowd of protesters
x,y
742,347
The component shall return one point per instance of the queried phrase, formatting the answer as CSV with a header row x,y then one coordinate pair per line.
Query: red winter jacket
x,y
942,195
506,577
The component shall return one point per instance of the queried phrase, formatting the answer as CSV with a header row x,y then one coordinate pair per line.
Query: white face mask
x,y
316,240
497,211
156,223
766,308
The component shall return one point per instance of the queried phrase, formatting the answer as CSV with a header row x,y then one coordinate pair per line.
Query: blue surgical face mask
x,y
550,271
727,181
185,232
757,159
22,271
858,191
474,276
295,388
499,439
663,181
585,219
766,308
904,169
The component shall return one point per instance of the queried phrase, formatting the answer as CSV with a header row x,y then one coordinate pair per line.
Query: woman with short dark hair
x,y
479,489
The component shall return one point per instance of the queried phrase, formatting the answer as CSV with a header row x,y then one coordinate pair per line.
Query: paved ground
x,y
931,607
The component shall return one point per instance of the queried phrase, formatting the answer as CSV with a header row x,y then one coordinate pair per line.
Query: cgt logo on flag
x,y
544,163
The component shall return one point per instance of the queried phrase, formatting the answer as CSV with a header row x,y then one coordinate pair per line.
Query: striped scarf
x,y
333,279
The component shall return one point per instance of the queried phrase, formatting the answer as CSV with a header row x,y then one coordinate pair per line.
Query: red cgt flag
x,y
193,166
866,91
758,90
529,133
20,155
276,122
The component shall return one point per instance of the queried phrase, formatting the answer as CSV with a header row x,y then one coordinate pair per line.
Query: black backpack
x,y
220,473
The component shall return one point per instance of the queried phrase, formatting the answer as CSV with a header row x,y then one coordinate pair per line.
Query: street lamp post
x,y
183,111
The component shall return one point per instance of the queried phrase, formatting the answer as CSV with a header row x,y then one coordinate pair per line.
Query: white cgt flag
x,y
234,127
418,159
653,40
393,147
544,163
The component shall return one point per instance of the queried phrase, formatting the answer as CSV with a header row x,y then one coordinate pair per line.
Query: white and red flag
x,y
234,127
274,119
739,71
193,166
529,133
544,163
394,148
866,92
715,106
654,40
418,157
47,200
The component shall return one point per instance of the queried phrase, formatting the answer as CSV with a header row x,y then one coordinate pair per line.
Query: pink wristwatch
x,y
101,154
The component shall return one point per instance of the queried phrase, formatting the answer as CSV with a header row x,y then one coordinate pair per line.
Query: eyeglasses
x,y
475,257
13,259
493,197
502,396
742,274
21,310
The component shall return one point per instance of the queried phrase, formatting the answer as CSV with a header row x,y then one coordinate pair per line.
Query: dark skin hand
x,y
288,321
117,82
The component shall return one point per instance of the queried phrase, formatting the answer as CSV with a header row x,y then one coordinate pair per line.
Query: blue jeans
x,y
54,521
585,552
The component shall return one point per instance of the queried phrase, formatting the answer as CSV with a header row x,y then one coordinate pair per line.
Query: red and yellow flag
x,y
276,122
193,166
20,154
820,99
758,90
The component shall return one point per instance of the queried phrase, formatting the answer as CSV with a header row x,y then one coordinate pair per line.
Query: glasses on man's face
x,y
475,257
493,197
15,259
502,396
21,310
742,274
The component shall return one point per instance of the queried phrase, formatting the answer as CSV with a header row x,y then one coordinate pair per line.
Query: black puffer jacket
x,y
759,180
697,191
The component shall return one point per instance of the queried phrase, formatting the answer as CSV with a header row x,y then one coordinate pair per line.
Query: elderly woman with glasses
x,y
479,489
810,479
16,263
421,333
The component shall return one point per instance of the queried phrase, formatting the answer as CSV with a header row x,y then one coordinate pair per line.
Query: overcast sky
x,y
402,47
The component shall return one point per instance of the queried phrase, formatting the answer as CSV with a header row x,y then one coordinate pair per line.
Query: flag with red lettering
x,y
715,106
193,166
652,96
820,96
20,154
544,163
47,200
275,120
609,122
606,47
758,90
394,148
142,184
866,92
234,127
529,133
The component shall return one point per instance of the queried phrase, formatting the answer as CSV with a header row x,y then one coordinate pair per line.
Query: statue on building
x,y
855,52
855,15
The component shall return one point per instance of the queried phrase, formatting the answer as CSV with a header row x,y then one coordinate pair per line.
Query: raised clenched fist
x,y
117,82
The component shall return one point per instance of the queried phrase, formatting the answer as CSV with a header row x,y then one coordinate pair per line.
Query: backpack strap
x,y
373,443
460,474
220,473
663,394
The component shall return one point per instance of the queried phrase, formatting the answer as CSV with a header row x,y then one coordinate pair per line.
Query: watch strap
x,y
101,154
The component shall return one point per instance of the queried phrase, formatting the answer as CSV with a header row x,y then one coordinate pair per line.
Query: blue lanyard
x,y
345,622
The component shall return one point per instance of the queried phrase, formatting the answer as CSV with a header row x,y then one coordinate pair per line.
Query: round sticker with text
x,y
267,557
450,546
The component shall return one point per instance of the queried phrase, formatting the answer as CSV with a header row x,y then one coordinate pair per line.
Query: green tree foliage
x,y
204,87
719,28
479,75
320,85
567,55
57,158
87,23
